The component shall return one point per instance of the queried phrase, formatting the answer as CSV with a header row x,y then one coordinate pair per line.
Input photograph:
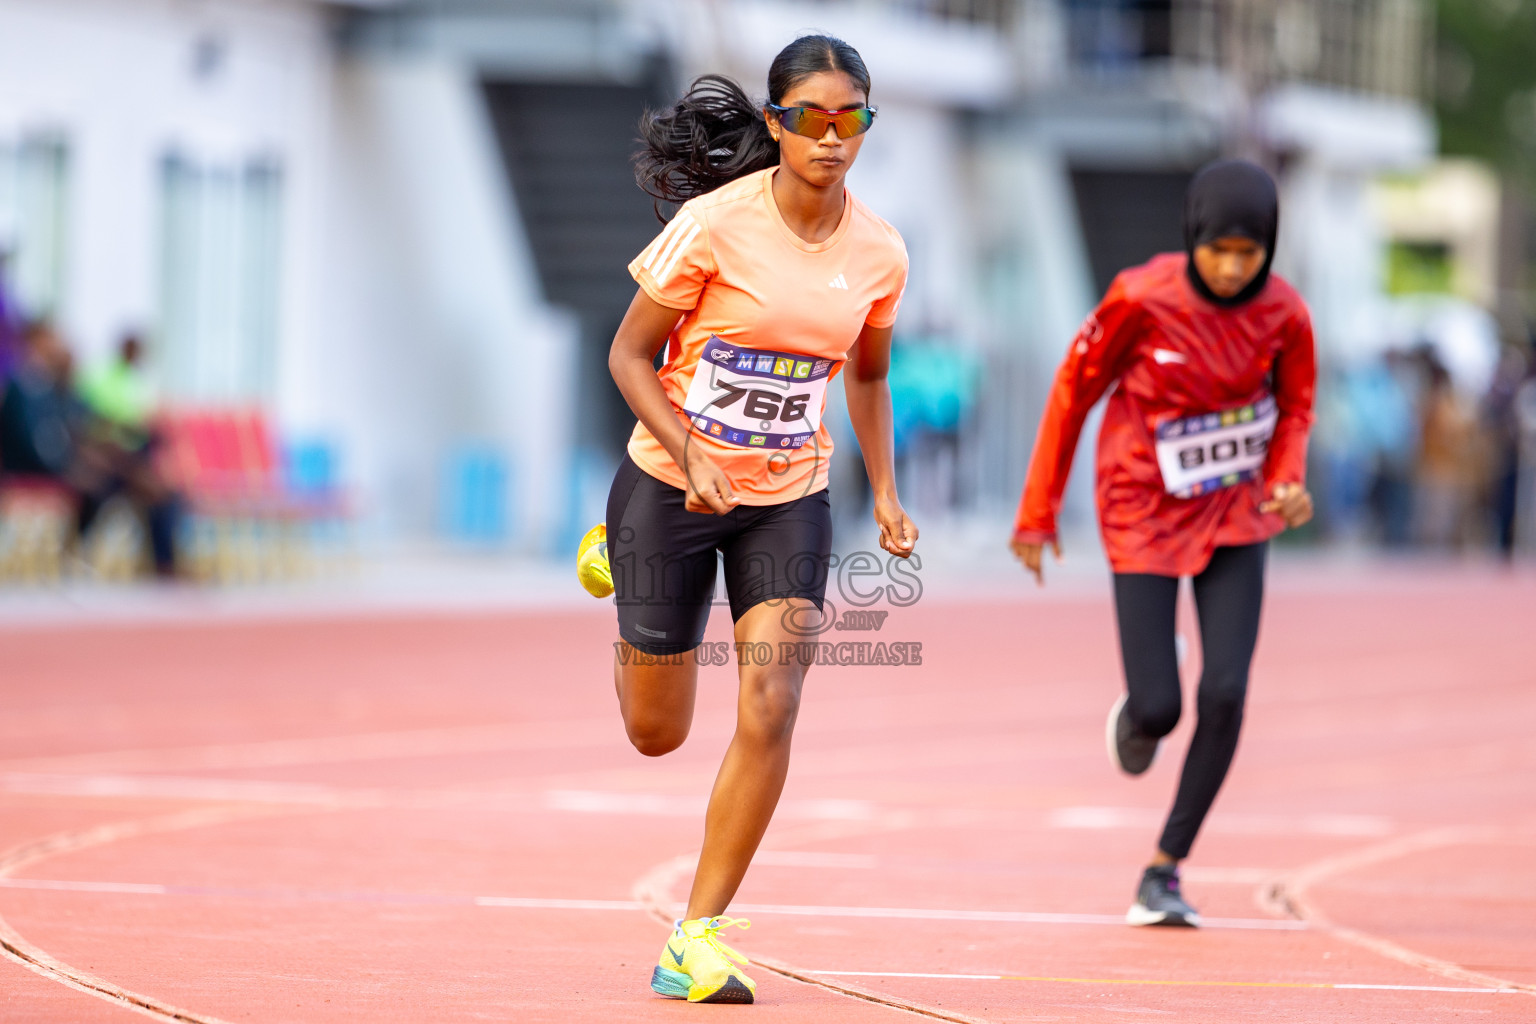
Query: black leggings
x,y
1228,596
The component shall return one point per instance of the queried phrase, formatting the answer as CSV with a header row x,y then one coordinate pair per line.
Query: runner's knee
x,y
770,701
1156,715
656,723
653,735
1221,699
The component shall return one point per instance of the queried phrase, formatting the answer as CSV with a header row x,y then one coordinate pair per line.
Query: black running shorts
x,y
663,558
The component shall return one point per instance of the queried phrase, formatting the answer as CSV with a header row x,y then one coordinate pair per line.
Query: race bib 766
x,y
754,398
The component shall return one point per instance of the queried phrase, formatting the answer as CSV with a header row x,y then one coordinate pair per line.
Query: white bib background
x,y
1204,453
751,398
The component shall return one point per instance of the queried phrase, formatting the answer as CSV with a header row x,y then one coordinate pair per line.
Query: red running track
x,y
437,818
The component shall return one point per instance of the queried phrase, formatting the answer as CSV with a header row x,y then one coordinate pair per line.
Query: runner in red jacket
x,y
1201,459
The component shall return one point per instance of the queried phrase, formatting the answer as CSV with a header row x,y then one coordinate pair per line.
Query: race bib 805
x,y
1201,454
752,398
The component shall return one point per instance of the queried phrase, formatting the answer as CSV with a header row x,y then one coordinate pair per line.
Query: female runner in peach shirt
x,y
770,280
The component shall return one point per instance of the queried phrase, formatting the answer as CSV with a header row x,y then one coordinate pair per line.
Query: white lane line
x,y
536,903
906,974
1172,982
551,903
1000,916
575,801
1105,818
665,805
180,788
15,948
583,801
1430,988
409,743
813,859
139,889
58,886
1291,893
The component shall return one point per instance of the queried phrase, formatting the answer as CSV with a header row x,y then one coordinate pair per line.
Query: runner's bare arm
x,y
644,330
869,410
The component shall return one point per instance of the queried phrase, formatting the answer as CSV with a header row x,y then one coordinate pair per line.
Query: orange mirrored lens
x,y
812,123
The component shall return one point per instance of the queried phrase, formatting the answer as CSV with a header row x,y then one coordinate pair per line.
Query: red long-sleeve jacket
x,y
1176,357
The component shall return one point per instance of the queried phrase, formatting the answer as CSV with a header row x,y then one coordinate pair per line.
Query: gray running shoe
x,y
1129,750
1159,902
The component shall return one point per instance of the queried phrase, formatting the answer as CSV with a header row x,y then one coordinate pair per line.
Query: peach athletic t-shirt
x,y
770,319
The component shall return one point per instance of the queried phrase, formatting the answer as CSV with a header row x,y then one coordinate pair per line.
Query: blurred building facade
x,y
404,225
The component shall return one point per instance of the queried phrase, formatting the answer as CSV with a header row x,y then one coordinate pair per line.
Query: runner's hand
x,y
1292,501
1030,553
898,534
709,490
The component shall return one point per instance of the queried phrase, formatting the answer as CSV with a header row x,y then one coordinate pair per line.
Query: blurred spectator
x,y
45,430
1382,399
1336,460
1449,464
934,384
119,394
1501,415
40,420
10,331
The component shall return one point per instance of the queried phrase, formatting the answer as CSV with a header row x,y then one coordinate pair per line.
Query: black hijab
x,y
1225,198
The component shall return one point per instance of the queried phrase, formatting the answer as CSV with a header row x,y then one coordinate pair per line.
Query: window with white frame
x,y
34,174
220,260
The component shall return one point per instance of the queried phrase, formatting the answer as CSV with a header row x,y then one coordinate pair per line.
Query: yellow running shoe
x,y
592,567
696,966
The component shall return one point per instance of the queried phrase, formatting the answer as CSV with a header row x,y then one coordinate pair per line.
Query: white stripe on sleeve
x,y
682,222
661,240
677,253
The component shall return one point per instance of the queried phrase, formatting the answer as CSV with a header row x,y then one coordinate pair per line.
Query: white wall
x,y
1042,291
911,171
408,316
435,332
116,79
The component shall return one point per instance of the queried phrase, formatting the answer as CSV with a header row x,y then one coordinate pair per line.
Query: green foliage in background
x,y
1414,269
1485,94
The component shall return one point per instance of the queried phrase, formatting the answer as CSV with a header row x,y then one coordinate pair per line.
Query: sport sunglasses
x,y
812,121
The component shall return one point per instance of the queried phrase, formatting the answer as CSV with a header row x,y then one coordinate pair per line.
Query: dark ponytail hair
x,y
716,134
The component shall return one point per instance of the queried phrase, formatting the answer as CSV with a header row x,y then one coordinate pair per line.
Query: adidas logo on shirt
x,y
839,282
